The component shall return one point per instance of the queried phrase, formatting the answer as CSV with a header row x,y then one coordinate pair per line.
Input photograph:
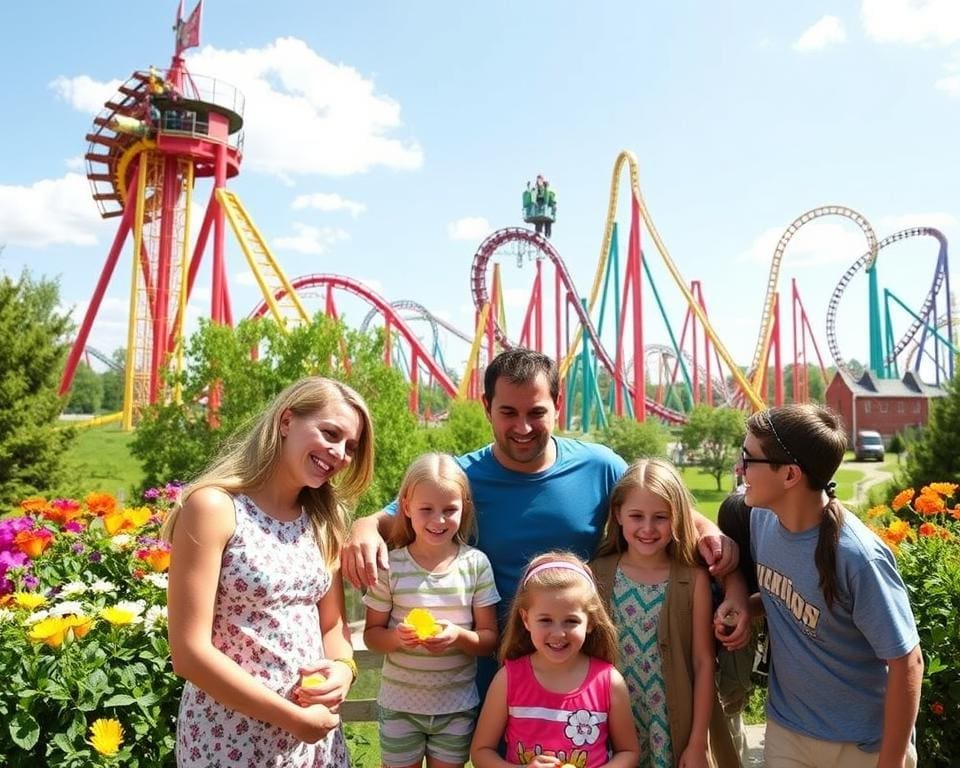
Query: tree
x,y
466,429
633,439
86,392
934,456
113,383
33,348
175,442
715,435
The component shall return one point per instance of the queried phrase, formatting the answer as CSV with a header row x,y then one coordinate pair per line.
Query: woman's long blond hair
x,y
660,478
443,470
248,462
601,640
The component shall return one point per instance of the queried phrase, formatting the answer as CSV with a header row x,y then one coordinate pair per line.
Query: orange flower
x,y
902,499
62,511
33,543
898,530
33,504
944,489
100,503
937,708
955,512
929,529
877,511
158,558
929,504
126,520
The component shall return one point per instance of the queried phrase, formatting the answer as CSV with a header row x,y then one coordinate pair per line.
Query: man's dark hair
x,y
521,366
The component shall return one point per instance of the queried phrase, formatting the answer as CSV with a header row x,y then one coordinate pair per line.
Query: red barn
x,y
884,405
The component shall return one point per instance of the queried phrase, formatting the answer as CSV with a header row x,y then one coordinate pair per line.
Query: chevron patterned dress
x,y
636,612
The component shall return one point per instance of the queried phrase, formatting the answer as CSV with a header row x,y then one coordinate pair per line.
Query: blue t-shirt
x,y
520,515
828,673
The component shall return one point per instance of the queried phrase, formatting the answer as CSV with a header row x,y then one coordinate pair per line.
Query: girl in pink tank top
x,y
557,700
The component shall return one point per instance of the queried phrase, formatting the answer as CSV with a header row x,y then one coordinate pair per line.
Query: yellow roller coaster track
x,y
630,159
757,367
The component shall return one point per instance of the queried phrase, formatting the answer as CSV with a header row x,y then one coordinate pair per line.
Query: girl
x,y
255,595
428,694
661,603
558,699
845,671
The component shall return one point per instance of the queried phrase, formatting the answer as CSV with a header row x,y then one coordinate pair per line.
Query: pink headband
x,y
562,565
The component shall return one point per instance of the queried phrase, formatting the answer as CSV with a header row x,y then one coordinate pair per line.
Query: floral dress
x,y
266,619
636,612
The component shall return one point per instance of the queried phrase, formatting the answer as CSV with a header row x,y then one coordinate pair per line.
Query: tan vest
x,y
675,638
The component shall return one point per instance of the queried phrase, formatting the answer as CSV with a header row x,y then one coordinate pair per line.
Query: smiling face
x,y
557,623
318,445
435,511
647,524
763,483
523,417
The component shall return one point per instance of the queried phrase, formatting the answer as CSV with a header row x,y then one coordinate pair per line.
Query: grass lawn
x,y
101,461
704,489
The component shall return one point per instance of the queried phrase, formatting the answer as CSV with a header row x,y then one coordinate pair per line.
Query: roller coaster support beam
x,y
777,359
876,334
931,328
80,343
633,282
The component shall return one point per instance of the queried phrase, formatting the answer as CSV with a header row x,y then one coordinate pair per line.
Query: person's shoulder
x,y
858,542
473,556
572,448
209,512
475,459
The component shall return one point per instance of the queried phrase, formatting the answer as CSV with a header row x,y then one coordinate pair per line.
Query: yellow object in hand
x,y
423,623
313,680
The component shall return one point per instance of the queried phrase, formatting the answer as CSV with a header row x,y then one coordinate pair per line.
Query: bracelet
x,y
352,666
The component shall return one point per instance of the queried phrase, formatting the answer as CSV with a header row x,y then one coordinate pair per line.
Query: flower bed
x,y
83,647
923,529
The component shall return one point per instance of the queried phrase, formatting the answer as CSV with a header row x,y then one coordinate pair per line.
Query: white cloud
x,y
74,163
824,241
50,212
469,228
83,92
949,84
927,22
109,330
827,31
328,202
310,240
306,115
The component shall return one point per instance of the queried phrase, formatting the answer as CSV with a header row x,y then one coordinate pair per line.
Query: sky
x,y
384,141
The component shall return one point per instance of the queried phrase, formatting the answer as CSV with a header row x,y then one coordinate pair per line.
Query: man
x,y
532,492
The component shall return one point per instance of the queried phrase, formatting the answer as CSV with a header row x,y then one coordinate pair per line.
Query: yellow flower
x,y
118,616
79,625
50,631
876,511
106,736
944,489
29,600
422,622
312,681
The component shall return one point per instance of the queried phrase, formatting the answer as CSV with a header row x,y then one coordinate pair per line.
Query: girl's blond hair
x,y
601,639
660,478
248,462
443,470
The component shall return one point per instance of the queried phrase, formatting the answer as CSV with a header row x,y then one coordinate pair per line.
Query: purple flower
x,y
73,526
30,581
10,527
10,560
77,547
95,557
152,493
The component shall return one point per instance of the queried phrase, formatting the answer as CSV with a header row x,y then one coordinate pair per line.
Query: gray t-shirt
x,y
828,673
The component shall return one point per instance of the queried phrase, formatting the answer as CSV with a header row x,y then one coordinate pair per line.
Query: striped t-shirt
x,y
415,680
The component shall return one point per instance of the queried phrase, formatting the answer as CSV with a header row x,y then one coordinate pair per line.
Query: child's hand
x,y
446,637
693,757
313,723
327,683
407,635
545,761
731,625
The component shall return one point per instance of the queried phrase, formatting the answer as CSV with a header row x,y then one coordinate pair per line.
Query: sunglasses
x,y
746,460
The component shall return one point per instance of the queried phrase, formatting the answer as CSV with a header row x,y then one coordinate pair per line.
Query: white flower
x,y
136,607
6,615
121,542
582,727
73,588
36,616
159,580
102,587
68,608
156,617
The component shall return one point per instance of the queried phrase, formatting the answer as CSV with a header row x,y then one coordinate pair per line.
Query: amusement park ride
x,y
163,133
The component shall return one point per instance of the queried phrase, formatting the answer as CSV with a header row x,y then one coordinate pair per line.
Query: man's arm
x,y
900,705
365,549
720,552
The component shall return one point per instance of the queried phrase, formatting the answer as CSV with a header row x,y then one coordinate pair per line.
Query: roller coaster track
x,y
630,159
481,297
664,353
756,370
381,305
867,260
405,305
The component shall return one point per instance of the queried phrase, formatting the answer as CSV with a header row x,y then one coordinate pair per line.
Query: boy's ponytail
x,y
825,556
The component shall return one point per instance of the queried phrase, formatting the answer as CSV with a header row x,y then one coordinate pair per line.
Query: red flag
x,y
188,31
